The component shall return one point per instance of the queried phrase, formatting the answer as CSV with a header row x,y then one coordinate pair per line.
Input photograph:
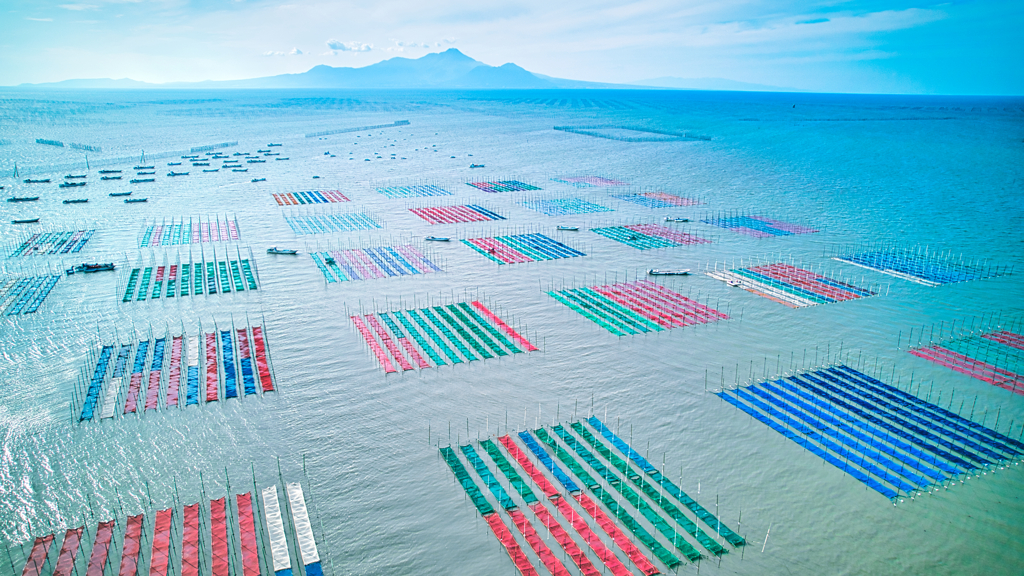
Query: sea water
x,y
941,172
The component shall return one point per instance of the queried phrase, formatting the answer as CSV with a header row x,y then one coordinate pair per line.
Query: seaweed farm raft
x,y
191,231
657,199
503,186
310,197
456,214
175,371
49,243
648,236
791,286
636,307
367,263
521,248
757,226
25,295
920,266
416,191
574,471
892,441
194,278
439,335
564,206
589,181
993,357
203,545
336,222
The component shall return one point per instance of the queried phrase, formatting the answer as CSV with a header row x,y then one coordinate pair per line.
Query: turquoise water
x,y
943,172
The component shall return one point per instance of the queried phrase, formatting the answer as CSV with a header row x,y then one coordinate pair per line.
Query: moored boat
x,y
133,200
242,170
71,184
77,200
259,180
680,272
25,221
110,171
116,194
570,228
276,250
89,268
173,173
75,176
23,199
141,180
31,181
140,167
476,166
438,239
110,177
671,219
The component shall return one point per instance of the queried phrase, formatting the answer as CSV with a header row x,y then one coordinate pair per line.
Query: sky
x,y
897,46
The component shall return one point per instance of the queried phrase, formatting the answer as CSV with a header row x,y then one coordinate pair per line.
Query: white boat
x,y
734,283
670,219
438,239
570,228
276,250
657,272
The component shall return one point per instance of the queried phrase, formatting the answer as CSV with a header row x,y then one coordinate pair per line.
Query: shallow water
x,y
943,172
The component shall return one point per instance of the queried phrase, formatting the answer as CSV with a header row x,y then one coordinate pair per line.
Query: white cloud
x,y
78,7
448,40
40,19
296,52
339,46
273,53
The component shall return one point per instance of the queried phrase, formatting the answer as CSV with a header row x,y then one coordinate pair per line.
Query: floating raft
x,y
564,206
636,307
194,278
191,231
894,442
366,263
521,248
648,236
456,214
48,243
657,199
310,197
413,191
327,223
25,295
757,226
438,332
993,357
503,186
791,286
922,267
233,356
588,181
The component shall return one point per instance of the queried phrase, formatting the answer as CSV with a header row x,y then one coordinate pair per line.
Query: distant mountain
x,y
710,84
122,83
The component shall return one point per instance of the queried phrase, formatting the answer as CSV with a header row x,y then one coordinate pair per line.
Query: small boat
x,y
188,157
174,163
276,250
242,170
77,200
133,200
570,228
255,161
110,171
74,176
143,167
316,177
438,239
476,165
116,194
330,261
89,268
142,180
31,181
214,170
240,154
110,177
657,272
259,180
262,151
146,173
734,283
272,154
269,145
231,166
71,184
25,221
200,163
670,219
173,173
280,158
23,199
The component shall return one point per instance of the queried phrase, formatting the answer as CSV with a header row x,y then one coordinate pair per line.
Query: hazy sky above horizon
x,y
970,47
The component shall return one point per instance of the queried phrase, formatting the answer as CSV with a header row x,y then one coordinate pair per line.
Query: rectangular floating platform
x,y
757,226
310,197
367,263
25,295
497,186
657,199
636,307
791,286
521,248
564,206
187,279
589,181
994,357
456,214
328,223
415,191
182,231
450,334
649,236
893,442
921,267
49,243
